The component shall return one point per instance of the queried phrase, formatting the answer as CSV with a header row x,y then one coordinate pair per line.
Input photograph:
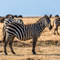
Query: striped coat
x,y
56,23
25,32
11,20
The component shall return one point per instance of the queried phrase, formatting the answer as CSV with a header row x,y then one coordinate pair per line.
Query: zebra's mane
x,y
40,20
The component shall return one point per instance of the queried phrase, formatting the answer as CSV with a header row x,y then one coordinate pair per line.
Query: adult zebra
x,y
10,20
56,23
25,32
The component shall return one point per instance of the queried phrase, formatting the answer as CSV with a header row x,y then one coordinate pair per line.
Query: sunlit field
x,y
47,47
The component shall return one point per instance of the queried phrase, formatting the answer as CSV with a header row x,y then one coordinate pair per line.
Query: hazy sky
x,y
29,7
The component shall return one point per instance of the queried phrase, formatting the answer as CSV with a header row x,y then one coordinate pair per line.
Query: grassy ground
x,y
47,47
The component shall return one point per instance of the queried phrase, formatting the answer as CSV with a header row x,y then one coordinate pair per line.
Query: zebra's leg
x,y
34,43
5,48
57,31
6,45
10,44
54,32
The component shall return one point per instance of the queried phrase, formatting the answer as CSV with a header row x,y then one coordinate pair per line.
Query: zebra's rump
x,y
19,30
57,22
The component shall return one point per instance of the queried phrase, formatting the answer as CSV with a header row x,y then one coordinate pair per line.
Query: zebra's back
x,y
57,22
22,32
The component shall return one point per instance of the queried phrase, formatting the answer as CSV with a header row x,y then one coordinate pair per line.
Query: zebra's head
x,y
20,21
47,22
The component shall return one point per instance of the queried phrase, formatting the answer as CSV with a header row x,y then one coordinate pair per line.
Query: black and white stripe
x,y
56,24
11,20
25,32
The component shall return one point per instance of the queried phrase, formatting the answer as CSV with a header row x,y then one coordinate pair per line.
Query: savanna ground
x,y
47,47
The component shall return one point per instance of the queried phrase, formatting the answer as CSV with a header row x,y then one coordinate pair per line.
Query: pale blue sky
x,y
29,7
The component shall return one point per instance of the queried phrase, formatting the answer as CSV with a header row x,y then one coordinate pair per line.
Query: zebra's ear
x,y
50,16
45,16
13,17
7,16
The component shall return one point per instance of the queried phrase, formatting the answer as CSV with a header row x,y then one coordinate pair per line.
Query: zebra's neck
x,y
40,26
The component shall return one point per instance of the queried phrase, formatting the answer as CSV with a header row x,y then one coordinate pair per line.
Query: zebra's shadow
x,y
38,54
49,54
56,34
30,54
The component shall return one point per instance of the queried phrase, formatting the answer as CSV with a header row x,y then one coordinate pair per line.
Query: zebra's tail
x,y
3,30
4,35
53,23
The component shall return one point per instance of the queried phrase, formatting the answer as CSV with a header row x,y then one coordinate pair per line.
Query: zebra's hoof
x,y
58,33
34,52
13,52
6,54
54,33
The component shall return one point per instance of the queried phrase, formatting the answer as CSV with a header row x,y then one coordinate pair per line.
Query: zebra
x,y
10,20
19,21
56,23
25,32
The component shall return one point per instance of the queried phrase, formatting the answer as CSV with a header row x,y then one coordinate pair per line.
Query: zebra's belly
x,y
27,37
24,38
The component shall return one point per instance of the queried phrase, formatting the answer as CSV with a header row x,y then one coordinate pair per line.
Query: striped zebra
x,y
56,23
10,20
25,32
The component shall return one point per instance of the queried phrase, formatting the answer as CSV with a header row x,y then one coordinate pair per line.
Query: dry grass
x,y
47,48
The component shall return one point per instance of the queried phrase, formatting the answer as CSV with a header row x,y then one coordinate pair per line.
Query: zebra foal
x,y
25,32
